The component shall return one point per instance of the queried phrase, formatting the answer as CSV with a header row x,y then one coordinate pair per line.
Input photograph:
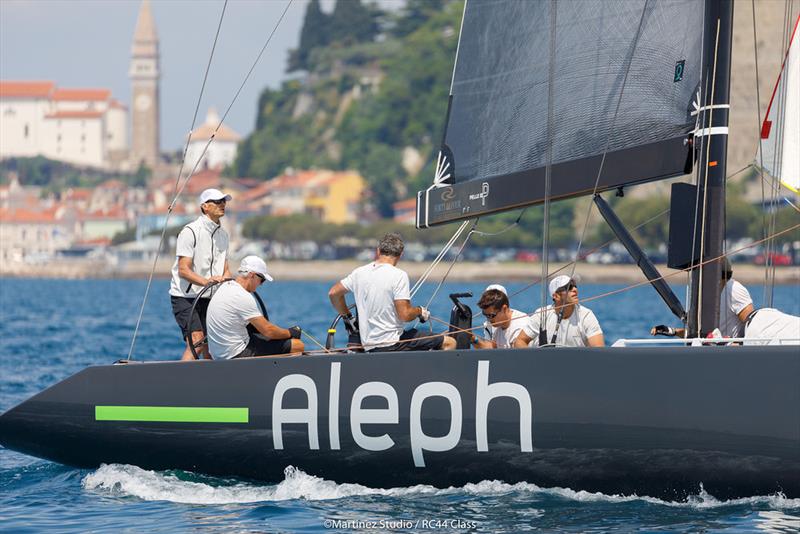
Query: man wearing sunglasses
x,y
233,308
201,256
567,322
505,321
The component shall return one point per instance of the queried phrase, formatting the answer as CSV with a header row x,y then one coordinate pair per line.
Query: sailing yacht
x,y
549,100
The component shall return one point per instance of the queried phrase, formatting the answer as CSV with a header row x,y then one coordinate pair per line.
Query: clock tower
x,y
144,76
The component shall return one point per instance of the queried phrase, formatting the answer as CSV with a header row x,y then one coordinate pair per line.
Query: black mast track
x,y
705,286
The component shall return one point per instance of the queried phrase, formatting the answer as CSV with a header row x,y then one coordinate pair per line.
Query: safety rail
x,y
703,341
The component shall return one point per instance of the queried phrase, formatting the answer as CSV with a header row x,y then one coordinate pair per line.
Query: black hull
x,y
650,421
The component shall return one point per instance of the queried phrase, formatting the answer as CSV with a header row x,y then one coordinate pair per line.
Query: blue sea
x,y
50,329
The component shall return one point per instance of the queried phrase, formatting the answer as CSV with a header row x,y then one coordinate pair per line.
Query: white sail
x,y
780,131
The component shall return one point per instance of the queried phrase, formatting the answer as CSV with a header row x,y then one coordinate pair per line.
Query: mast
x,y
713,139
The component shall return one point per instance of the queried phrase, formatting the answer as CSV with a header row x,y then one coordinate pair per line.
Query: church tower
x,y
144,76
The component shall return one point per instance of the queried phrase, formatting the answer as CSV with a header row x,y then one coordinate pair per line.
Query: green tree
x,y
353,22
315,33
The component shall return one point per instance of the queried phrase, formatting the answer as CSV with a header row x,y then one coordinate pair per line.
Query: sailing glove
x,y
424,314
662,330
350,324
295,332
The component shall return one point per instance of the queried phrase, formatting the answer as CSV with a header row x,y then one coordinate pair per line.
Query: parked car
x,y
777,259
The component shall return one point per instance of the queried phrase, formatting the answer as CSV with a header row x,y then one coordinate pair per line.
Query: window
x,y
9,112
27,131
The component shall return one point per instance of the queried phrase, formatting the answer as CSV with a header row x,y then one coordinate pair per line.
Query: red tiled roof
x,y
405,205
26,89
81,94
112,184
204,133
116,104
113,213
16,215
75,115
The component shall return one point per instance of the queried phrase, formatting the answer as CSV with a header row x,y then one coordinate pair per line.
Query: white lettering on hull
x,y
419,441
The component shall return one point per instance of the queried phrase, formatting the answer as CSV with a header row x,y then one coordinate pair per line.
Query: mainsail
x,y
495,148
780,131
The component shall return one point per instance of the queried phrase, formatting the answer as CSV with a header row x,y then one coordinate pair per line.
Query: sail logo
x,y
482,195
448,194
419,440
679,68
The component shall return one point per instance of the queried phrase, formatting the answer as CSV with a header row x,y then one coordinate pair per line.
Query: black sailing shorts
x,y
261,346
182,307
411,340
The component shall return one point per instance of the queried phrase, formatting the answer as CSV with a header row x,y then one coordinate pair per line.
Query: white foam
x,y
129,480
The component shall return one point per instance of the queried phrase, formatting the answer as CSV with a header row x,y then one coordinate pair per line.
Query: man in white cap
x,y
567,322
487,324
506,322
234,307
201,257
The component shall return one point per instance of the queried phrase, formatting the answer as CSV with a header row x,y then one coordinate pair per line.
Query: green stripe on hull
x,y
171,414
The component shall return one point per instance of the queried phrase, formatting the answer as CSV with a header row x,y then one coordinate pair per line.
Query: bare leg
x,y
202,351
449,343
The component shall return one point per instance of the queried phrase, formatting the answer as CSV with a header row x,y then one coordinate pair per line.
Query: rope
x,y
606,294
608,137
177,181
452,263
438,258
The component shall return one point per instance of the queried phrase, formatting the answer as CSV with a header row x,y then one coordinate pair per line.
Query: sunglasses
x,y
490,316
568,287
261,278
218,201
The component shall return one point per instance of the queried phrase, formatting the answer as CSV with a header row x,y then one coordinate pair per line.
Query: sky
x,y
87,43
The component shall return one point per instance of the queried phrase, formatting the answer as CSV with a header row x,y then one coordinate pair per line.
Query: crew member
x,y
383,302
200,258
567,322
487,324
234,307
735,306
506,322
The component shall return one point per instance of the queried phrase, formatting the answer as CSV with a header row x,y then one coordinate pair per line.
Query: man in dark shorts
x,y
201,257
234,308
384,305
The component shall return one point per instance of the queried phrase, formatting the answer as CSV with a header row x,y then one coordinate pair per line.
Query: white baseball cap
x,y
213,194
498,287
558,282
254,264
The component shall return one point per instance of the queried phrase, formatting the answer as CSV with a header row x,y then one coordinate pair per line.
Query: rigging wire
x,y
438,258
200,159
608,137
177,181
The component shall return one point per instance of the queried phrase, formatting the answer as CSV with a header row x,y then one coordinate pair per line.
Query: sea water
x,y
50,329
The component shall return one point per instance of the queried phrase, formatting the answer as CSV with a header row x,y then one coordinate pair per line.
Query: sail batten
x,y
496,132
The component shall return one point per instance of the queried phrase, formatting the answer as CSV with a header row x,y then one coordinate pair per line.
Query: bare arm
x,y
185,271
226,273
596,340
747,310
522,341
481,343
268,329
336,295
406,311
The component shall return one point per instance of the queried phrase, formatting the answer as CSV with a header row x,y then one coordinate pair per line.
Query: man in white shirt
x,y
506,322
234,307
384,305
735,306
567,322
201,257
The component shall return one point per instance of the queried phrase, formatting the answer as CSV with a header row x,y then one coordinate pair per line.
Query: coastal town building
x,y
217,155
84,127
145,75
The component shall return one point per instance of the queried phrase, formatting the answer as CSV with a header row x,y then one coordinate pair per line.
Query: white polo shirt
x,y
228,315
376,286
206,243
572,332
504,337
732,300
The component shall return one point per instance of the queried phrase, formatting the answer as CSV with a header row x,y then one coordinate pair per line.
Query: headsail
x,y
496,136
780,131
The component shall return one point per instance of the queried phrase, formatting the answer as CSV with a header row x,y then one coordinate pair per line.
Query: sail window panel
x,y
498,118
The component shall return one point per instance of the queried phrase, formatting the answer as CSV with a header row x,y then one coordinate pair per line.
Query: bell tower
x,y
144,75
